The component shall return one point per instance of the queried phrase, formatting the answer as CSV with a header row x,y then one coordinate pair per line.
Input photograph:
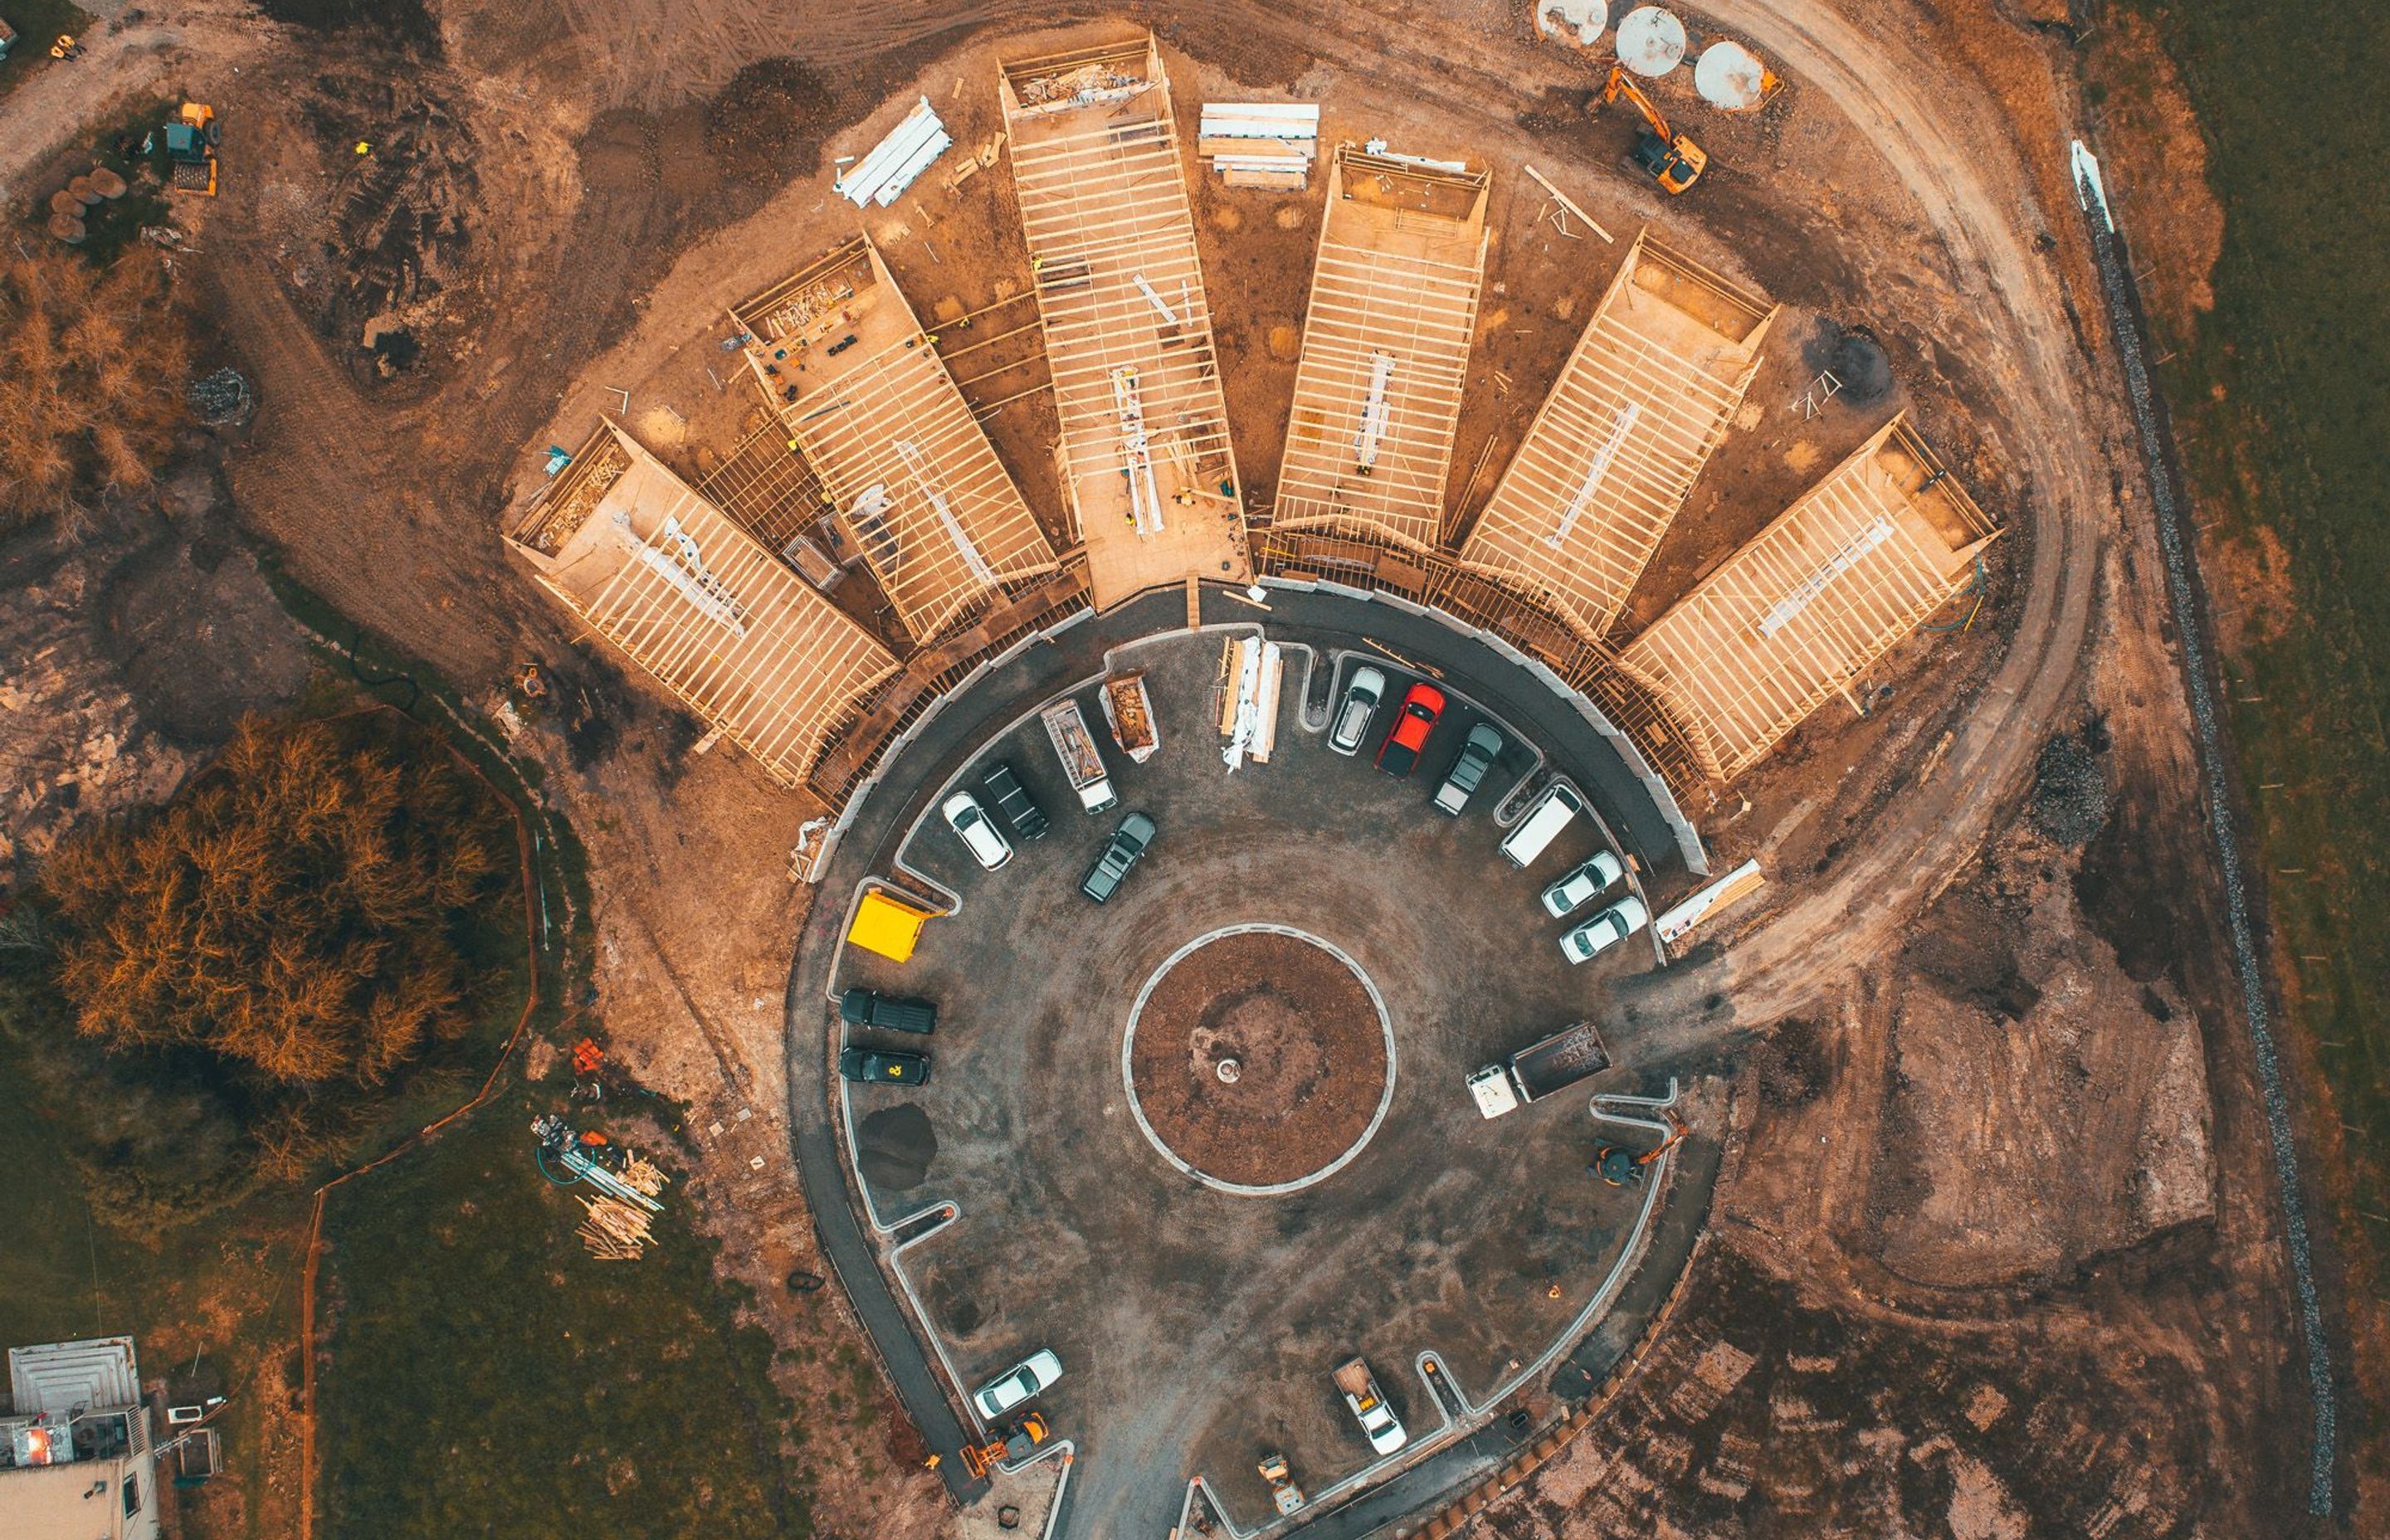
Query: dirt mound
x,y
769,121
2070,792
1259,1058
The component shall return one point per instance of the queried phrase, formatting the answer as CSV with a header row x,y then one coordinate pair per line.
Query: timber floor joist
x,y
700,606
1386,335
1646,396
916,482
1111,233
1813,601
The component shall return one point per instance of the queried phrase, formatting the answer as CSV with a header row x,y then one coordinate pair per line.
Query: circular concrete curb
x,y
1276,1190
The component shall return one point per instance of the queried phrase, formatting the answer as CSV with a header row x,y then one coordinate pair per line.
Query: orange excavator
x,y
1622,1167
1667,157
1012,1443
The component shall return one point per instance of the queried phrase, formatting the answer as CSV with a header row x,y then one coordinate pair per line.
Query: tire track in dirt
x,y
326,475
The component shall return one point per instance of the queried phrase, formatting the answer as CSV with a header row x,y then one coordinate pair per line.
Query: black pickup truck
x,y
869,1008
1020,810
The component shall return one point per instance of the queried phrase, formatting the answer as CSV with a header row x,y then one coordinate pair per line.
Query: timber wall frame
x,y
915,482
1386,335
1647,395
1813,601
1104,203
737,638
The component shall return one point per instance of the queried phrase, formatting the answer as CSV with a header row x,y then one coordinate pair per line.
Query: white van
x,y
1552,811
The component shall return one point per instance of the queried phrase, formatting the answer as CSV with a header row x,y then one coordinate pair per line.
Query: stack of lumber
x,y
614,1230
1260,143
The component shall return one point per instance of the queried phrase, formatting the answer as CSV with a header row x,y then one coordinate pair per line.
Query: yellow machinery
x,y
191,141
1667,157
1023,1437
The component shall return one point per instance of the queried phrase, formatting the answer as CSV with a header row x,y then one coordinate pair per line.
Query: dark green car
x,y
1119,855
883,1066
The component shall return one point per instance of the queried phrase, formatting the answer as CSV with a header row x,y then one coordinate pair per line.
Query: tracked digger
x,y
1667,157
1622,1167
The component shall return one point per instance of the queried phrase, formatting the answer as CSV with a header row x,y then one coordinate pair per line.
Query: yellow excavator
x,y
1667,157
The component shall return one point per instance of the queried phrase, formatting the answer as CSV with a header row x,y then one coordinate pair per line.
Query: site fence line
x,y
2190,625
315,1250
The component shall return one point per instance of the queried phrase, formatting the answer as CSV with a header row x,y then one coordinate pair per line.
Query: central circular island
x,y
1258,1060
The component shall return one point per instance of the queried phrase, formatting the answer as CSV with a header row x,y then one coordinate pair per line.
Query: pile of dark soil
x,y
768,122
1309,1052
2070,790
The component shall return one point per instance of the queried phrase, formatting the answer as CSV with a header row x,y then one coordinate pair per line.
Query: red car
x,y
1422,708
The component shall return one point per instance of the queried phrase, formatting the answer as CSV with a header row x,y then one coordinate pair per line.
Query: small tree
x,y
93,365
291,912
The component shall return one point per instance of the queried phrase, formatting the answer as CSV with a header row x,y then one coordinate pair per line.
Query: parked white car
x,y
1362,693
1031,1376
1583,885
978,831
1605,930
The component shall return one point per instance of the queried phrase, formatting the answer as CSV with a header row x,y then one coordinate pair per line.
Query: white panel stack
x,y
1260,143
881,176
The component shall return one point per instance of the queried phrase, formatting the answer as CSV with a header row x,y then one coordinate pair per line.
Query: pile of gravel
x,y
2070,790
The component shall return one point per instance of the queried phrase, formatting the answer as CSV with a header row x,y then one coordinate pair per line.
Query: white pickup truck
x,y
1083,762
1378,1420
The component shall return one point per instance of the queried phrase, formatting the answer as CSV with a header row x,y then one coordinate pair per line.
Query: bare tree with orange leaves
x,y
290,912
94,363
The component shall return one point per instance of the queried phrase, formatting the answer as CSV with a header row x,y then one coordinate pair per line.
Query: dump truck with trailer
x,y
1083,762
1129,712
1377,1421
1554,1064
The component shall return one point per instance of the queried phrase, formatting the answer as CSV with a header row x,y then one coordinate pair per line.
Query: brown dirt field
x,y
1308,1050
1992,1259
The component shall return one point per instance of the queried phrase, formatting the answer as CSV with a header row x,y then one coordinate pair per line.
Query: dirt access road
x,y
1908,180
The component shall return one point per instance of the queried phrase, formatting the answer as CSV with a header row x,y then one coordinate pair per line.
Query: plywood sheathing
x,y
1813,601
1103,203
731,632
916,484
1646,396
1391,314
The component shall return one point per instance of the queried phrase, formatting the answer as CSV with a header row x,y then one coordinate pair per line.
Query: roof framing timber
x,y
1120,293
1386,349
1647,394
917,484
694,600
1813,601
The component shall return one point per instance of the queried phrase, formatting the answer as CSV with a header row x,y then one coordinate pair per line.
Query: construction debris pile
x,y
1101,80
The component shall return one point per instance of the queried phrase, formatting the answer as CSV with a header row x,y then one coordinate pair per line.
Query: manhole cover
x,y
1258,1059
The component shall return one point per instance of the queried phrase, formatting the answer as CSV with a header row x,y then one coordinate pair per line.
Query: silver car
x,y
1605,930
1582,886
1362,693
1032,1376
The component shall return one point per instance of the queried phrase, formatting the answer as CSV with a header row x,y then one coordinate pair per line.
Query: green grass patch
x,y
2284,401
210,1305
488,1377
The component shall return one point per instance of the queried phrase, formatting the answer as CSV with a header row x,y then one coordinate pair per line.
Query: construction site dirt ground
x,y
1872,1205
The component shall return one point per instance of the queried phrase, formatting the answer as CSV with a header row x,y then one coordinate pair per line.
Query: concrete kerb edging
x,y
1688,839
1513,802
1477,1414
889,755
1276,1190
1451,1429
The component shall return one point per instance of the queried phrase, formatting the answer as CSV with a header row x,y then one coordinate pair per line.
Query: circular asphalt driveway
x,y
1198,1328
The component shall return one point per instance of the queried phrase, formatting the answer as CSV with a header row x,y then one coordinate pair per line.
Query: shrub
x,y
92,364
289,914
